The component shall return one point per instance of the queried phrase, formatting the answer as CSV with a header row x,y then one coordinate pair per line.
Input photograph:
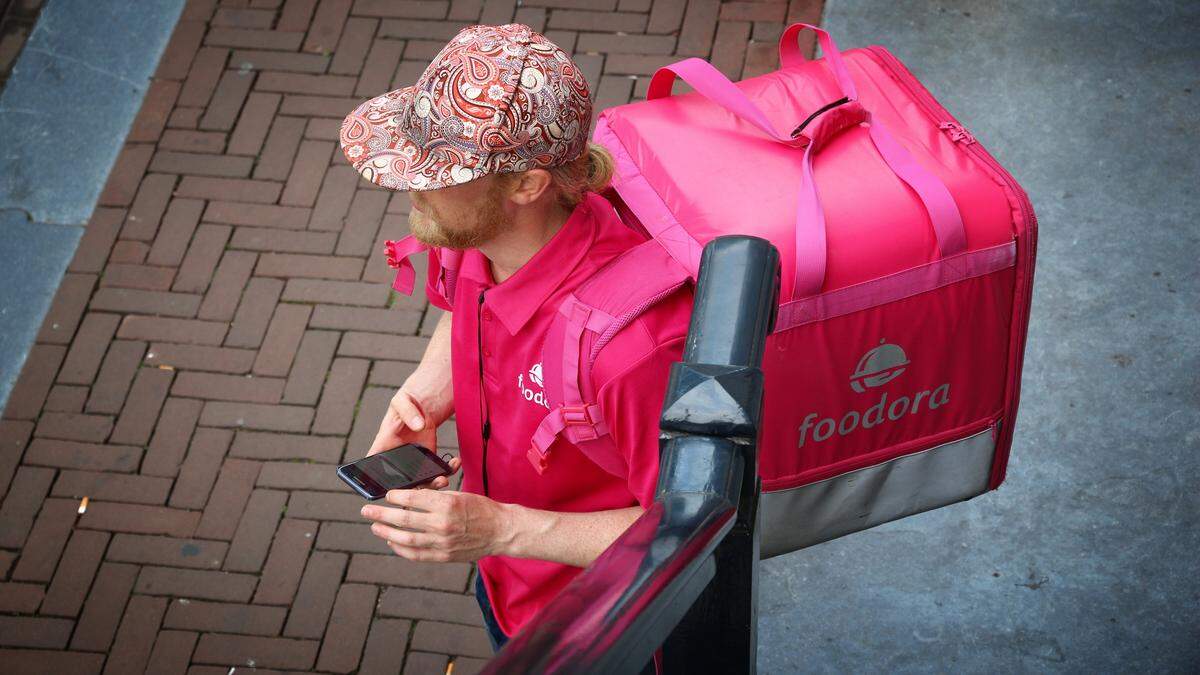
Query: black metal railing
x,y
684,575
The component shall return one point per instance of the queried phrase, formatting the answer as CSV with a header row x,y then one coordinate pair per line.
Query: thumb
x,y
389,436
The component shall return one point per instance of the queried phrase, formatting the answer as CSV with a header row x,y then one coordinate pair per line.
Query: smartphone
x,y
399,468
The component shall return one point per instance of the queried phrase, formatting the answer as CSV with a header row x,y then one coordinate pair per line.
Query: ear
x,y
530,187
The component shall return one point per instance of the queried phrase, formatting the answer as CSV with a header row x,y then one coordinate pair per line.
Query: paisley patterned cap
x,y
496,99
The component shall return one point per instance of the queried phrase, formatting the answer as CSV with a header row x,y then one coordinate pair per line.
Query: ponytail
x,y
592,171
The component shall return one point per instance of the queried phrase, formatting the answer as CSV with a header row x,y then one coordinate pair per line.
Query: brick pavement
x,y
226,334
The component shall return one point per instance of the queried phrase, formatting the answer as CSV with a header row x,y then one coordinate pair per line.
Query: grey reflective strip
x,y
810,514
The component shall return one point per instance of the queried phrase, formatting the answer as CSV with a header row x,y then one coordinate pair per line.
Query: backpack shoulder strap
x,y
586,321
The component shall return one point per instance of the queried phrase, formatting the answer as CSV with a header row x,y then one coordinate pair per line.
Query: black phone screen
x,y
400,466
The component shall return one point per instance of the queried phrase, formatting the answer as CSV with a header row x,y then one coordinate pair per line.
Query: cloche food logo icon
x,y
878,367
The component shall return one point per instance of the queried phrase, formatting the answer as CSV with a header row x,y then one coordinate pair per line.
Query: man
x,y
491,142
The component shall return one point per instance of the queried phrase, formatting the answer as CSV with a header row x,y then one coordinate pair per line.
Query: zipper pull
x,y
958,134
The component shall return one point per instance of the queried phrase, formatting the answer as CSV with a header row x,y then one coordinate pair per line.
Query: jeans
x,y
497,636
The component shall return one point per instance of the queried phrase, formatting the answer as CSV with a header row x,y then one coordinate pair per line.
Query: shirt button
x,y
487,352
487,316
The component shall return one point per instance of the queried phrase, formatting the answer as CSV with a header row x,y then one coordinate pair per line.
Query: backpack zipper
x,y
487,421
958,133
946,121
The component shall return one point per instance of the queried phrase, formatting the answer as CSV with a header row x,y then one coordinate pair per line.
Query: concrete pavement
x,y
1084,560
64,114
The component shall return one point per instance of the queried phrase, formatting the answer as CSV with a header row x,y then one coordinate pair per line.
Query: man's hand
x,y
450,526
441,481
406,421
445,526
423,402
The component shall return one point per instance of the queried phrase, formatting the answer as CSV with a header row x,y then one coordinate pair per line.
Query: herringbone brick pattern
x,y
226,334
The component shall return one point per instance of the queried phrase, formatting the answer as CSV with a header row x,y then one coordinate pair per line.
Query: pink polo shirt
x,y
506,323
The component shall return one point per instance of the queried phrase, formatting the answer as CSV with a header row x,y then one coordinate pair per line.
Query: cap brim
x,y
380,152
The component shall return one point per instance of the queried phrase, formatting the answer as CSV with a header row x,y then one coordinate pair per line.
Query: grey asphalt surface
x,y
64,115
1085,560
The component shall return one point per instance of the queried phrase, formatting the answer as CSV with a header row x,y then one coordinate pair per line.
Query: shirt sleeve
x,y
632,403
431,293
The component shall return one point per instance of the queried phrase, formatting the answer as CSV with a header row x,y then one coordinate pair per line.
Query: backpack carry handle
x,y
939,204
810,251
714,86
790,55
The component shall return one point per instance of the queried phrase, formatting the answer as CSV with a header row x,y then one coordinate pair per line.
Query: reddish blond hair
x,y
592,171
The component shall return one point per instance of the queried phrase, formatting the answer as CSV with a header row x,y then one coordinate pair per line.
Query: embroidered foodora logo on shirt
x,y
534,378
876,368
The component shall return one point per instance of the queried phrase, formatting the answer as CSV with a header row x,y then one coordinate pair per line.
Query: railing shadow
x,y
684,575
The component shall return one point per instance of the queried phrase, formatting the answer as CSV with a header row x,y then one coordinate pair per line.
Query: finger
x,y
440,482
436,483
388,435
397,427
419,554
404,537
397,517
398,497
384,440
427,437
426,500
407,411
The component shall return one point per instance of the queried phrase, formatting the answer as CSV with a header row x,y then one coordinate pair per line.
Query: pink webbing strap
x,y
939,203
810,218
583,421
397,257
552,376
580,317
790,55
449,261
943,212
714,86
586,419
398,253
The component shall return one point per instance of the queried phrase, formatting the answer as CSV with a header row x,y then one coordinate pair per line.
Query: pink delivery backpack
x,y
892,373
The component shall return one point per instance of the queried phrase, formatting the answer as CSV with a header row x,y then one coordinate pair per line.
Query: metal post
x,y
717,390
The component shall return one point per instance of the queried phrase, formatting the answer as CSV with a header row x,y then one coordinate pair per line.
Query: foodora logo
x,y
876,368
535,376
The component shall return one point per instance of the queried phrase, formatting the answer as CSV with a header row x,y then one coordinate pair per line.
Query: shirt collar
x,y
518,297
